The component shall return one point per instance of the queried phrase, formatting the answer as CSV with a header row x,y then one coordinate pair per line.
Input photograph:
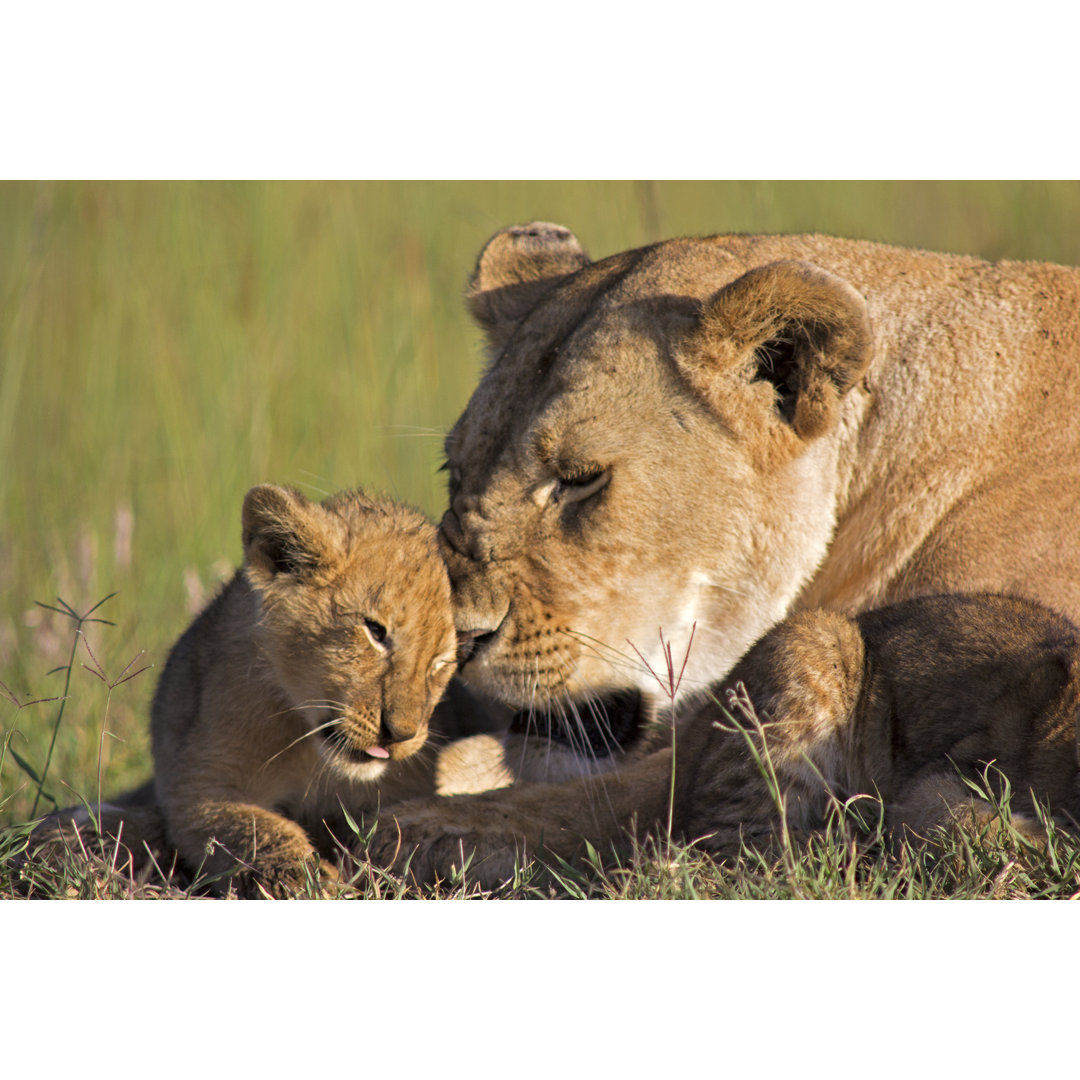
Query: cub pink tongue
x,y
377,751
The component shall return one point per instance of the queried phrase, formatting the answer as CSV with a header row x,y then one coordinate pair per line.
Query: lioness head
x,y
354,619
650,453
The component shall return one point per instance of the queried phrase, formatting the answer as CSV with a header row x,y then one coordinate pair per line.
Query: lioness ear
x,y
516,269
791,324
285,533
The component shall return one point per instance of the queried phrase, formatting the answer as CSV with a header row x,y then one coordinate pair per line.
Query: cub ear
x,y
286,533
516,269
791,324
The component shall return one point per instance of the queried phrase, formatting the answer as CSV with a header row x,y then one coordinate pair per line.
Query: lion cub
x,y
304,687
913,703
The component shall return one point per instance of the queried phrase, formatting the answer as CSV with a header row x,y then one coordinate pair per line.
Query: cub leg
x,y
131,837
472,765
942,799
269,850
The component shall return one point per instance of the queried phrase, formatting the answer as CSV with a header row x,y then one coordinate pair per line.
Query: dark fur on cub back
x,y
904,702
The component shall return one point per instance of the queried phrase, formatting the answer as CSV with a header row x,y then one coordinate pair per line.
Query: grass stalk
x,y
669,684
80,621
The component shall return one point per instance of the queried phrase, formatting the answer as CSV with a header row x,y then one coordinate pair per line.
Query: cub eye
x,y
582,486
376,631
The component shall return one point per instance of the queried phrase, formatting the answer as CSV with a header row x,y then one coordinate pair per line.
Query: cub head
x,y
651,456
354,619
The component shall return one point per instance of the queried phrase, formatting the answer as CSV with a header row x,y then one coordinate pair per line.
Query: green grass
x,y
852,858
163,347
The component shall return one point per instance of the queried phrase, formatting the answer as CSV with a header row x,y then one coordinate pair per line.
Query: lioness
x,y
675,447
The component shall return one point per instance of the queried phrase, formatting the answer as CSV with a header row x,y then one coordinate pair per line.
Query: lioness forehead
x,y
598,333
647,289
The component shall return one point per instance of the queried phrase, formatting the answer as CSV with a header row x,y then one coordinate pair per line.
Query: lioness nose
x,y
463,534
470,642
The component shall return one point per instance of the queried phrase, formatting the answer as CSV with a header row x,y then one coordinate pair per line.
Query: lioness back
x,y
305,686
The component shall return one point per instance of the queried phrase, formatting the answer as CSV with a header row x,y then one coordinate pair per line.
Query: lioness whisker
x,y
589,752
623,661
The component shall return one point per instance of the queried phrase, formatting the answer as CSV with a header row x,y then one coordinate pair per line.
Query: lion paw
x,y
430,850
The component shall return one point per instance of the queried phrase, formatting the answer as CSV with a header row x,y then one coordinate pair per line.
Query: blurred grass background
x,y
164,346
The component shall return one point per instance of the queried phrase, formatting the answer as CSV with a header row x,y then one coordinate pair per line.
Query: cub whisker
x,y
335,721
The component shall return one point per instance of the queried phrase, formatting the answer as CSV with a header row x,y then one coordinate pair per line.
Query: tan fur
x,y
334,638
699,438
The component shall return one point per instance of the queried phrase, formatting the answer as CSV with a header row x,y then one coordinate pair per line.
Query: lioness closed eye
x,y
306,684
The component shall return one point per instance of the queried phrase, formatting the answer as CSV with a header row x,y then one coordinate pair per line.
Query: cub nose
x,y
397,727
